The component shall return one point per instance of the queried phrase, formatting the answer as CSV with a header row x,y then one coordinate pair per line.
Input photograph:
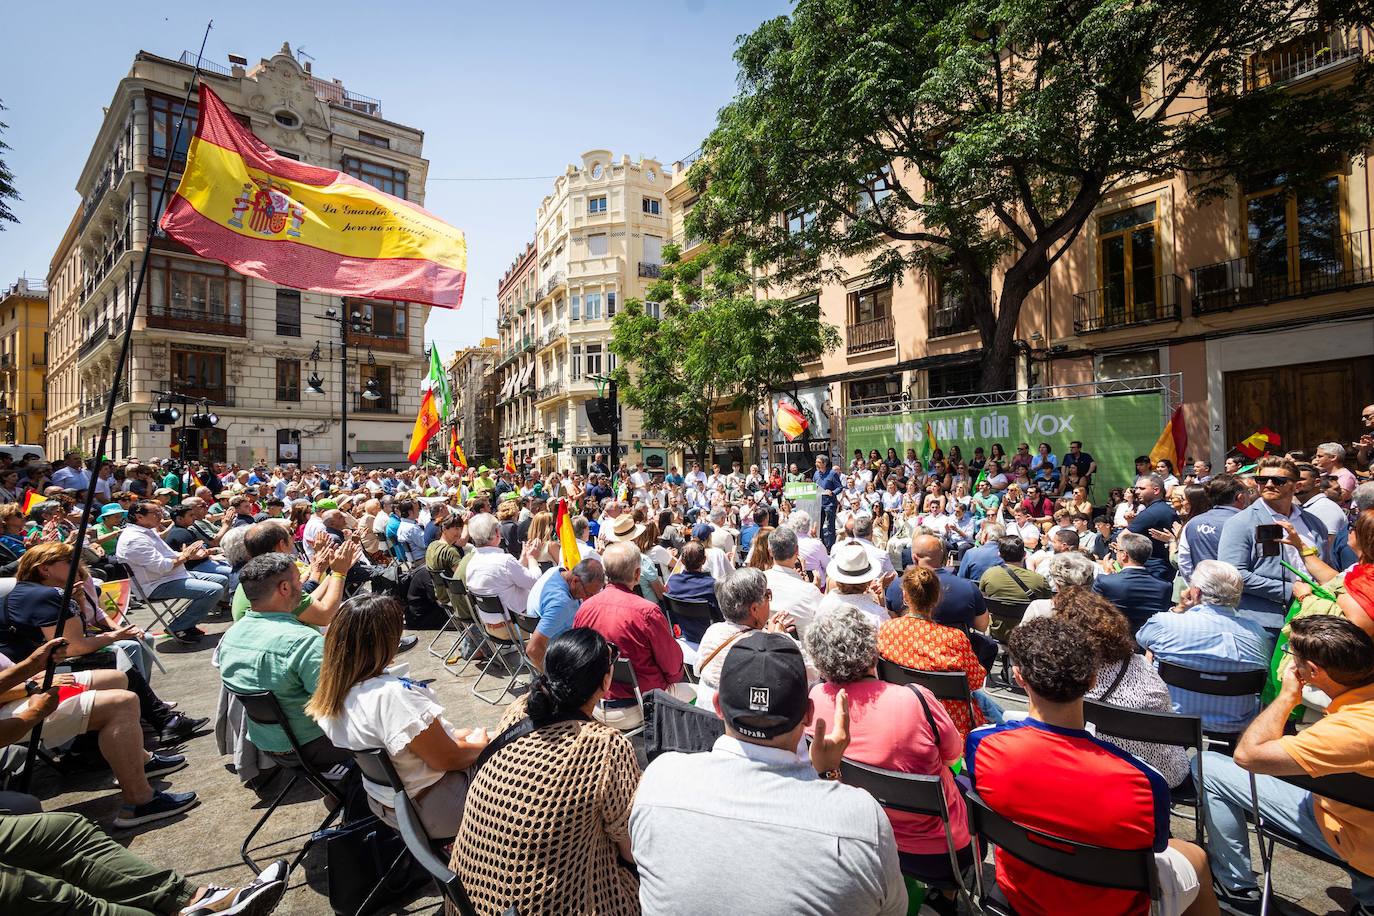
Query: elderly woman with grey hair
x,y
1071,569
743,596
895,727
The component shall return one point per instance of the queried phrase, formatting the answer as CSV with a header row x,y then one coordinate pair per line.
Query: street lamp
x,y
358,323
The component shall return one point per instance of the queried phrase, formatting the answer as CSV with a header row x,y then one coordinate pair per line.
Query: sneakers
x,y
162,764
1242,903
162,806
407,643
257,899
189,637
180,726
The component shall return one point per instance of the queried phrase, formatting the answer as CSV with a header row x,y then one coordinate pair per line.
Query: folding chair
x,y
1157,728
913,794
624,673
671,724
263,708
1216,684
1096,866
945,685
680,609
459,611
165,610
1347,788
1006,616
501,647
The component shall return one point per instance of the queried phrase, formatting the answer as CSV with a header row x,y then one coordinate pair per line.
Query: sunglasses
x,y
1277,480
614,652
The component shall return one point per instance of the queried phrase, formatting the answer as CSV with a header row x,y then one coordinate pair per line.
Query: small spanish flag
x,y
31,499
791,421
928,444
1173,441
510,459
455,451
570,555
1258,442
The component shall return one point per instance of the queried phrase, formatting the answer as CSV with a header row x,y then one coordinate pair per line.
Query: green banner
x,y
1114,429
799,490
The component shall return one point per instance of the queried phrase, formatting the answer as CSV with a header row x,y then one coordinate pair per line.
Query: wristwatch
x,y
31,687
1309,552
830,774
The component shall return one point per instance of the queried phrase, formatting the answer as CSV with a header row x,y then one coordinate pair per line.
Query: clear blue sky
x,y
500,89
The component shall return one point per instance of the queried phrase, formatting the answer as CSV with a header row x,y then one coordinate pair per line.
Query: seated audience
x,y
639,629
694,583
745,604
360,705
546,823
894,727
1336,657
1208,634
495,572
1064,571
1135,590
554,600
161,571
1010,582
1048,772
916,641
752,811
961,604
855,580
792,594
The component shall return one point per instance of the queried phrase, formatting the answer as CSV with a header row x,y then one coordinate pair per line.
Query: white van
x,y
17,452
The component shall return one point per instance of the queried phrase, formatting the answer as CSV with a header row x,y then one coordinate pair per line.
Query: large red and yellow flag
x,y
283,221
426,425
510,459
791,421
569,554
1173,441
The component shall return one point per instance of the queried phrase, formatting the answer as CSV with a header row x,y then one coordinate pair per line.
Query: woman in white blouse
x,y
361,705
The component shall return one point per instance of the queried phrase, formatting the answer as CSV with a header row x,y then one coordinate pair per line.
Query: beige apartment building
x,y
242,347
598,243
472,381
1258,310
23,361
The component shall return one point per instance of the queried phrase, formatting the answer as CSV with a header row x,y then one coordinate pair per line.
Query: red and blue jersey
x,y
1068,783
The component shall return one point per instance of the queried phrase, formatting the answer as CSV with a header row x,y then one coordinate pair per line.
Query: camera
x,y
1270,538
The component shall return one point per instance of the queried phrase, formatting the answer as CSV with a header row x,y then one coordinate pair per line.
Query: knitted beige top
x,y
542,819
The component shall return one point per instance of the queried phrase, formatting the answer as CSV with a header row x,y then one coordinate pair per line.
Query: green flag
x,y
438,380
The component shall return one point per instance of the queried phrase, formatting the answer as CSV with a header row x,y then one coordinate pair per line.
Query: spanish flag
x,y
270,217
426,425
1173,441
1258,442
510,459
31,499
455,450
570,555
928,444
791,421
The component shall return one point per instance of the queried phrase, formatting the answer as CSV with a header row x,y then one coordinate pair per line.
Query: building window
x,y
382,177
288,312
876,188
1294,237
654,310
199,374
210,295
382,374
574,308
594,363
874,390
610,304
596,204
954,381
373,140
287,119
798,220
870,304
591,306
576,371
1128,257
288,380
596,245
386,323
163,115
651,205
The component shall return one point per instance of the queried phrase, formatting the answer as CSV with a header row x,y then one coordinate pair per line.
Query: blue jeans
x,y
1226,800
204,590
828,526
217,568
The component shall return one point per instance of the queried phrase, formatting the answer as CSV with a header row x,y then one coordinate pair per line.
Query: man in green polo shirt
x,y
270,649
328,569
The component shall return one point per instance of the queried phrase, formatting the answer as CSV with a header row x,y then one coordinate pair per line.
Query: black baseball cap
x,y
763,691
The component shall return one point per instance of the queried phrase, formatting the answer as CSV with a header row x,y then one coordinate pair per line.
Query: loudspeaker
x,y
600,415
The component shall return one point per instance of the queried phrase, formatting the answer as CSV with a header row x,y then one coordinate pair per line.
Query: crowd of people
x,y
716,590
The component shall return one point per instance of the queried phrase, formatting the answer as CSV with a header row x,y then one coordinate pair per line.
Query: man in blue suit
x,y
1134,590
980,559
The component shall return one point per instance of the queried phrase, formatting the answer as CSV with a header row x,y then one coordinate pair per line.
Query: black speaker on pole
x,y
600,415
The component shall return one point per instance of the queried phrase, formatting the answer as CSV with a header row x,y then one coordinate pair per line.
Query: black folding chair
x,y
1157,728
461,618
502,648
1216,684
378,769
945,685
1346,788
671,724
263,708
1006,616
913,794
624,673
1096,866
680,609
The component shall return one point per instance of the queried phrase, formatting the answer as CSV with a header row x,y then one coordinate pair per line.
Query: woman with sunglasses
x,y
546,824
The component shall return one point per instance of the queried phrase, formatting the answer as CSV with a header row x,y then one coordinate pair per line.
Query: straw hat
x,y
625,528
852,564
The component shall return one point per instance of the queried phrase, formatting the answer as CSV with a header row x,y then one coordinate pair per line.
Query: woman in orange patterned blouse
x,y
915,641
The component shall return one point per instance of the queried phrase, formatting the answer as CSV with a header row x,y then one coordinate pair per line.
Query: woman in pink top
x,y
890,727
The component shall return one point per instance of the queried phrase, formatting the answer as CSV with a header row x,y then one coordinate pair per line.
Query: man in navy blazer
x,y
1135,591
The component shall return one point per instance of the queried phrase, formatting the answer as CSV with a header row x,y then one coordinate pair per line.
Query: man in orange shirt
x,y
1333,655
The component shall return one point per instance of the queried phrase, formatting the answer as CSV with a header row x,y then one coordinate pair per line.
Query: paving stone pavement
x,y
203,844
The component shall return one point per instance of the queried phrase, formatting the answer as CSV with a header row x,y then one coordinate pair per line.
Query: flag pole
x,y
50,668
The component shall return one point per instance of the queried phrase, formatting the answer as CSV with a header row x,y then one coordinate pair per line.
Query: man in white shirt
x,y
815,558
72,475
1310,491
314,526
495,573
792,594
863,533
161,571
1022,526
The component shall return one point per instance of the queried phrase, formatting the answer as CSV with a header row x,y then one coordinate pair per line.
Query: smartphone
x,y
1269,537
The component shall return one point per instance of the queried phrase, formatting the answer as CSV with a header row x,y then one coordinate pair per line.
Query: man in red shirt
x,y
639,630
1037,505
1048,773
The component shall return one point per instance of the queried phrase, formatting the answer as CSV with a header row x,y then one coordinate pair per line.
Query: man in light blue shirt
x,y
1210,636
555,598
409,534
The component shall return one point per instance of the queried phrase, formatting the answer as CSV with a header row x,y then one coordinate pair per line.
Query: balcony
x,y
99,334
93,406
551,333
197,321
389,402
870,335
6,362
1304,56
526,343
38,360
1120,307
551,390
214,395
555,280
1308,269
37,404
947,318
653,271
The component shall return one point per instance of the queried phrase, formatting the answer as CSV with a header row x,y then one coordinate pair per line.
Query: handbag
x,y
358,857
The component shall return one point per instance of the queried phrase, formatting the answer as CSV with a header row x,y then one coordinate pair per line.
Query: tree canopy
x,y
8,191
976,138
711,344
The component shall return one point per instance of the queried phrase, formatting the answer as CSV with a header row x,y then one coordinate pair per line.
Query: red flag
x,y
510,459
1258,442
31,499
270,217
1173,441
426,425
791,421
